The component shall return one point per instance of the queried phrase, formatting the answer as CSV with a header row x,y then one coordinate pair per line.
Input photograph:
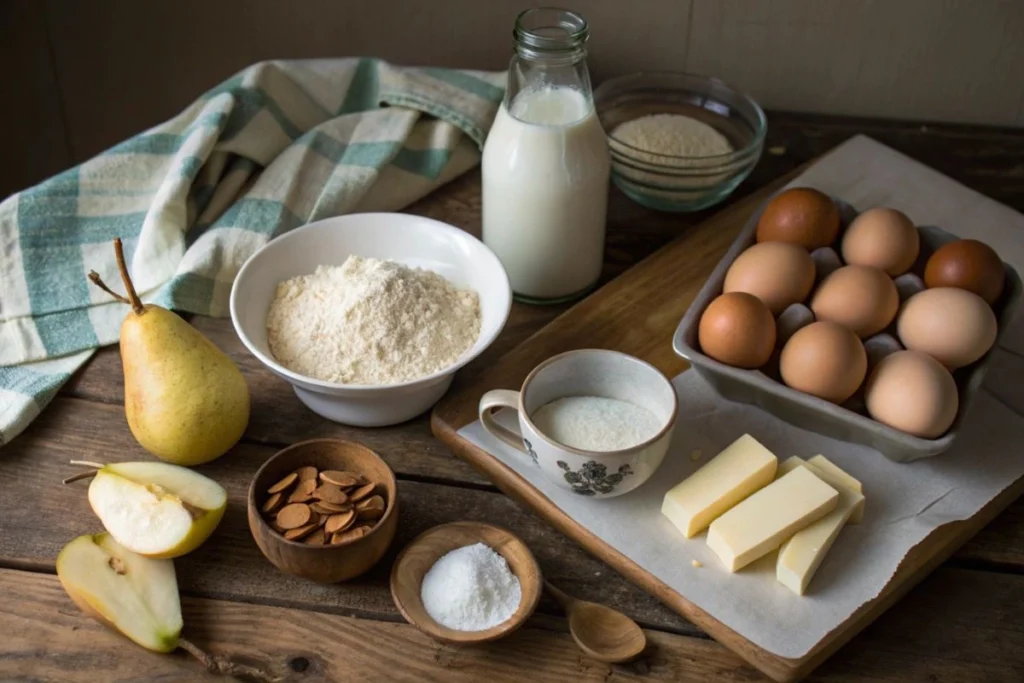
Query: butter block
x,y
732,475
825,466
800,556
788,465
763,521
828,472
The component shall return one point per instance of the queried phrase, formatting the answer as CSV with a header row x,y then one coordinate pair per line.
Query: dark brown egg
x,y
967,264
801,215
737,329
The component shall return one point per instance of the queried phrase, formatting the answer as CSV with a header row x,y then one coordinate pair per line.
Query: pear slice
x,y
135,595
156,509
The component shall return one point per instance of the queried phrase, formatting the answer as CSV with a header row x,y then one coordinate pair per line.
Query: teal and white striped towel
x,y
279,145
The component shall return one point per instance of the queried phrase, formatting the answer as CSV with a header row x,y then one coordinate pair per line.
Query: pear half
x,y
156,509
135,595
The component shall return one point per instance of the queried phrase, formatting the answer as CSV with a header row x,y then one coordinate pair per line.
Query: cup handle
x,y
491,401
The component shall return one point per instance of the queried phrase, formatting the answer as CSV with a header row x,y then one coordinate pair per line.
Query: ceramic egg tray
x,y
848,422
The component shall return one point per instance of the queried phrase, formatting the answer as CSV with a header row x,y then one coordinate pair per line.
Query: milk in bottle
x,y
545,164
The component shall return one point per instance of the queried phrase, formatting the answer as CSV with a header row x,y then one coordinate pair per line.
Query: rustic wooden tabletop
x,y
964,623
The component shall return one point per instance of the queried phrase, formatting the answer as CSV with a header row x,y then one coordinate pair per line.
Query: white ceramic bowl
x,y
411,240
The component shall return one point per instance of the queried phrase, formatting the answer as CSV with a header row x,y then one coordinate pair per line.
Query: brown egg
x,y
737,329
882,238
953,326
967,264
777,273
860,298
801,215
825,360
912,392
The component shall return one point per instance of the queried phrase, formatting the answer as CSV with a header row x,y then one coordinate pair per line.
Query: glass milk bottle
x,y
545,164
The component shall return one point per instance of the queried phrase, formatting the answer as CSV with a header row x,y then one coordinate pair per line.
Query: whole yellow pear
x,y
185,400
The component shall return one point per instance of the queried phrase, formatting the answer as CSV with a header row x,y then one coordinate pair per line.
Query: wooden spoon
x,y
601,632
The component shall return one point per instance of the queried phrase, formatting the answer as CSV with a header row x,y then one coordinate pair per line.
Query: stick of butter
x,y
763,521
826,466
732,475
831,474
801,555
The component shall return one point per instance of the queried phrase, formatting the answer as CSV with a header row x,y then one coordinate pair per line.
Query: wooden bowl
x,y
327,563
419,556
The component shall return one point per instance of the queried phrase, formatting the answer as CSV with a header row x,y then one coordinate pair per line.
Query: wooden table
x,y
964,623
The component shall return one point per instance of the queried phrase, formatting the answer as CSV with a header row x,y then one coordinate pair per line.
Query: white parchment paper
x,y
905,502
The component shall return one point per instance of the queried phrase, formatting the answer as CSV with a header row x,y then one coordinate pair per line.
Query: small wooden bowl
x,y
419,556
327,563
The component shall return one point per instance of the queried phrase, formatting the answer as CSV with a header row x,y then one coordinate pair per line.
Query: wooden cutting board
x,y
637,314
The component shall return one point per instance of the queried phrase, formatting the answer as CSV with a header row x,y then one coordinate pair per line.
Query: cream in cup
x,y
568,382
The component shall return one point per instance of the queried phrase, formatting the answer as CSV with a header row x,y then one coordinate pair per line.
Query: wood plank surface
x,y
962,624
50,640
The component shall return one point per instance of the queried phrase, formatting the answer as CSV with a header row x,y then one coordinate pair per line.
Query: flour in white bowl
x,y
371,321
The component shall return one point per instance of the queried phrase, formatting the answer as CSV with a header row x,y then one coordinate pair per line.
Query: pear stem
x,y
89,463
83,475
97,466
94,277
127,279
225,667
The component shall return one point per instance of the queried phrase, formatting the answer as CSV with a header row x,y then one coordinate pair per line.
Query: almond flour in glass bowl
x,y
665,179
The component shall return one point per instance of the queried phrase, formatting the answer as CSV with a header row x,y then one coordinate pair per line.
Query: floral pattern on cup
x,y
593,478
529,450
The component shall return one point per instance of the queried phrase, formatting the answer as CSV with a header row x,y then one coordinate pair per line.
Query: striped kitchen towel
x,y
279,145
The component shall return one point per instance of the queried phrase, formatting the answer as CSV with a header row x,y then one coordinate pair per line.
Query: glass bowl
x,y
680,183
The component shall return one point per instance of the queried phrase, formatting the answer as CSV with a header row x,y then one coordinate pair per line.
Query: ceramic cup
x,y
587,372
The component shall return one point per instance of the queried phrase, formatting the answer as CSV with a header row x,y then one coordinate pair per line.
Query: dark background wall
x,y
79,75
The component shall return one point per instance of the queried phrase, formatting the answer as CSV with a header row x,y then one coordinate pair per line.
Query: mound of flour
x,y
370,321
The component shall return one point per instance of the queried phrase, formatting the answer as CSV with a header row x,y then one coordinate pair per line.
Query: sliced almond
x,y
284,483
303,491
294,516
340,478
340,522
328,508
318,537
307,472
272,503
330,493
300,532
371,508
362,492
349,535
277,527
